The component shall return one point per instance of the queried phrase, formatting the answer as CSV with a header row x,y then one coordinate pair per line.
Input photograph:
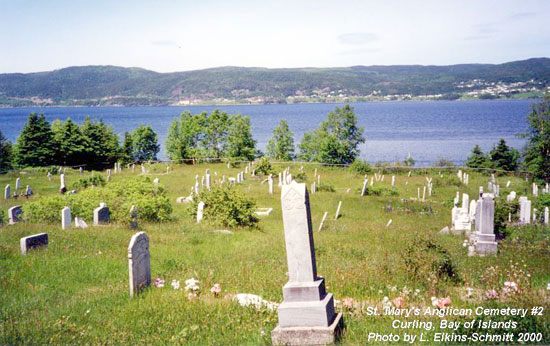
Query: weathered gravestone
x,y
62,186
102,215
7,191
80,223
33,241
14,214
208,179
133,217
306,315
17,184
66,219
139,263
200,211
270,183
49,176
28,191
524,210
484,237
546,215
337,215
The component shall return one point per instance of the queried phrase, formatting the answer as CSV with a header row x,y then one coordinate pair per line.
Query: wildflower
x,y
510,287
347,303
175,284
406,290
247,299
444,302
192,296
491,294
416,292
380,291
434,301
469,292
191,285
216,289
394,289
398,302
386,304
159,282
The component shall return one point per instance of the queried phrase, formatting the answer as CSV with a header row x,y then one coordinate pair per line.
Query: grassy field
x,y
76,290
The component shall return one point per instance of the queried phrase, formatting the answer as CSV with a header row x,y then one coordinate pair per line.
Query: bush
x,y
225,206
149,198
327,187
360,167
426,259
300,177
95,180
447,180
264,167
542,201
443,162
502,209
380,191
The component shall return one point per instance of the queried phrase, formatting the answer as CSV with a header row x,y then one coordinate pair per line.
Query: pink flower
x,y
159,282
347,302
398,302
491,294
216,289
443,302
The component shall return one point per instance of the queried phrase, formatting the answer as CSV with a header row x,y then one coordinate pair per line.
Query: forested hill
x,y
111,85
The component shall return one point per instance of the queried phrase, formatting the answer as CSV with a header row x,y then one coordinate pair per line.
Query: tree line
x,y
219,135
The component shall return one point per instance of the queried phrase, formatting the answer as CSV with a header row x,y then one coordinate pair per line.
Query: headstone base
x,y
308,335
486,247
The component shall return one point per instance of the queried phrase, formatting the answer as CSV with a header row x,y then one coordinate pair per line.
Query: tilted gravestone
x,y
139,263
133,217
33,241
306,315
102,215
7,191
14,214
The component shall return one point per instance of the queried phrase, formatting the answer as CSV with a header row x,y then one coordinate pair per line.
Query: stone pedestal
x,y
306,316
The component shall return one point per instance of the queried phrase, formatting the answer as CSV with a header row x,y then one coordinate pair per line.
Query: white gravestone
x,y
62,186
546,215
485,237
337,215
17,184
139,263
14,214
80,223
524,210
208,179
200,211
66,219
270,183
7,191
322,221
33,241
306,315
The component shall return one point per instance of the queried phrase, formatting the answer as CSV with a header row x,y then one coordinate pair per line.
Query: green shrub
x,y
380,191
542,201
447,180
149,198
300,177
225,206
95,180
528,233
360,167
502,209
327,187
425,259
264,167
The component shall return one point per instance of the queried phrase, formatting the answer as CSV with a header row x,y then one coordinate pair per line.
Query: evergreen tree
x,y
5,154
102,145
336,140
281,144
71,144
240,144
503,157
127,149
144,144
537,150
477,159
35,145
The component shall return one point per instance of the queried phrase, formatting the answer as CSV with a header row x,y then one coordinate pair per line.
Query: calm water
x,y
428,130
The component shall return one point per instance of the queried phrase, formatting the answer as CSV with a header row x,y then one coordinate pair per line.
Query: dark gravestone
x,y
33,241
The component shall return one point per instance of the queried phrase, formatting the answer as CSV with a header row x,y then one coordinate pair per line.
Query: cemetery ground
x,y
75,291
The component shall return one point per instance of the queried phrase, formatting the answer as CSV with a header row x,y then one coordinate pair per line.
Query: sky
x,y
170,35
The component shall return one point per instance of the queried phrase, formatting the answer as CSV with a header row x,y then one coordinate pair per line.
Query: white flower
x,y
191,285
469,292
247,299
175,284
548,287
434,301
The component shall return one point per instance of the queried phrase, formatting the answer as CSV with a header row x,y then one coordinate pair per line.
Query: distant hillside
x,y
111,85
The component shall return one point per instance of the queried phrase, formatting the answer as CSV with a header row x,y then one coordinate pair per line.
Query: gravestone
x,y
203,181
108,175
200,211
524,210
133,168
28,191
322,221
7,191
465,201
33,241
156,181
66,219
14,214
546,215
17,184
511,196
62,186
313,188
133,217
280,180
60,171
197,184
364,189
484,236
102,215
139,263
49,176
208,179
80,223
270,183
306,315
337,210
81,170
392,181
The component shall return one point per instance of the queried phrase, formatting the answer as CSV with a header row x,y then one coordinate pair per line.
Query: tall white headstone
x,y
208,179
200,211
337,215
270,183
66,219
17,184
7,192
306,315
62,186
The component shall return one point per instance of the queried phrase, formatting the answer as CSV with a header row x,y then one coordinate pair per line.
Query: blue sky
x,y
168,35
